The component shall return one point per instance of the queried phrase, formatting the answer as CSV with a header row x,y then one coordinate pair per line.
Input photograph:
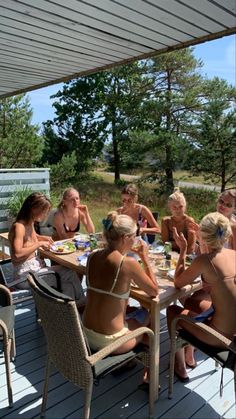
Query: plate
x,y
63,248
81,237
157,250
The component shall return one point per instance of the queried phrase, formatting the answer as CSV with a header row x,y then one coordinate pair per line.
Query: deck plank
x,y
118,396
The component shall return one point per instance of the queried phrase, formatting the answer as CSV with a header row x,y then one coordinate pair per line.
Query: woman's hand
x,y
141,250
180,240
83,209
45,244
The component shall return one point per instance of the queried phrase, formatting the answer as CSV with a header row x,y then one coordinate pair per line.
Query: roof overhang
x,y
44,42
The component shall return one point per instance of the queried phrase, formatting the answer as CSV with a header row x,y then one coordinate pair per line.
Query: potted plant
x,y
15,202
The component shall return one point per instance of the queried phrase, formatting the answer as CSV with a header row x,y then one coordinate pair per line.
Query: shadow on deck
x,y
115,397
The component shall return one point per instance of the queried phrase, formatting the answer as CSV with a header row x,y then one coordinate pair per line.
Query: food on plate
x,y
66,247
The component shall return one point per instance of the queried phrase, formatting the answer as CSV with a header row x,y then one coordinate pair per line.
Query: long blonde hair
x,y
215,230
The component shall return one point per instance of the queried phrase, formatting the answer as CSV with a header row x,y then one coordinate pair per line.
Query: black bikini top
x,y
68,230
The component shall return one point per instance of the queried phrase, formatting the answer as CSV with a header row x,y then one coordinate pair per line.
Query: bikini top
x,y
142,222
123,296
68,230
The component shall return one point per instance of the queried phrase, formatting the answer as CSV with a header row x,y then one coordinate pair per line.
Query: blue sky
x,y
219,58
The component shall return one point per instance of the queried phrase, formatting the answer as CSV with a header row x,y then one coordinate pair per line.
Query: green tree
x,y
171,110
21,145
214,147
95,109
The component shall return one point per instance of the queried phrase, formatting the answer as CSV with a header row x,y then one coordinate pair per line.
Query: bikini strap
x,y
139,213
87,268
117,273
213,266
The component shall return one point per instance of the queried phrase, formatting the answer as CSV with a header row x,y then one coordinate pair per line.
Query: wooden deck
x,y
115,397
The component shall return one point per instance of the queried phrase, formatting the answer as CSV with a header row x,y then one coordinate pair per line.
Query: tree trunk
x,y
115,153
169,160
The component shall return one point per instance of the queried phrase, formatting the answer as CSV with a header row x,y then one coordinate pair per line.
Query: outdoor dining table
x,y
167,295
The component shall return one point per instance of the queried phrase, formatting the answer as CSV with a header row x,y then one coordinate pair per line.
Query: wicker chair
x,y
7,334
6,278
68,349
226,357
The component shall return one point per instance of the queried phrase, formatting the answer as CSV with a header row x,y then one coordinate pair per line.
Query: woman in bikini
x,y
218,268
70,215
109,276
179,220
140,213
226,205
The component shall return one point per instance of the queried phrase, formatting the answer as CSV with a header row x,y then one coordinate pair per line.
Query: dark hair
x,y
36,200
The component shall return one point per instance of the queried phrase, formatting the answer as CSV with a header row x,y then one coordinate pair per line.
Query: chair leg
x,y
87,401
13,347
8,371
152,395
45,388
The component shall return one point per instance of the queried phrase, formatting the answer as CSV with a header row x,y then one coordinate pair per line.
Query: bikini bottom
x,y
98,341
202,317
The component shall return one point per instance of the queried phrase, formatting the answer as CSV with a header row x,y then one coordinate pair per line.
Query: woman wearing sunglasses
x,y
226,205
139,213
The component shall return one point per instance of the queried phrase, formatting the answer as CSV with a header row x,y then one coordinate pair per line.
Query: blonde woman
x,y
70,215
178,220
109,275
140,213
218,268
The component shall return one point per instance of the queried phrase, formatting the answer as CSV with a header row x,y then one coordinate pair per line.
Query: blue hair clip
x,y
219,232
107,223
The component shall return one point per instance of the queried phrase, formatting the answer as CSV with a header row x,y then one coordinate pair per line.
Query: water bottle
x,y
167,248
168,261
93,242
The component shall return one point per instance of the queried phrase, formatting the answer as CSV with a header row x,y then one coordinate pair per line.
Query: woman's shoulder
x,y
58,214
166,218
188,218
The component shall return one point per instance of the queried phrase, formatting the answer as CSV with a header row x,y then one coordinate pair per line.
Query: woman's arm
x,y
20,253
143,277
191,236
185,276
86,219
153,225
44,238
165,232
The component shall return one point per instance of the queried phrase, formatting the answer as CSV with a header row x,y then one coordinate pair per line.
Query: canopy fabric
x,y
43,42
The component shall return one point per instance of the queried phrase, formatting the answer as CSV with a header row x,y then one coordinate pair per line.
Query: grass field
x,y
101,195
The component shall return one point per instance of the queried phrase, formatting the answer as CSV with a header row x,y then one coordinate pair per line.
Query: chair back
x,y
66,343
45,227
151,237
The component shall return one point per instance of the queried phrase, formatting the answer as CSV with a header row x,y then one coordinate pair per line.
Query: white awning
x,y
43,42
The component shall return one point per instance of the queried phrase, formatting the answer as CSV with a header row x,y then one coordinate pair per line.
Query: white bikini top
x,y
123,296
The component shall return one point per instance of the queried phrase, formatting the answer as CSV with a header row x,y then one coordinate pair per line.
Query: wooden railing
x,y
12,180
